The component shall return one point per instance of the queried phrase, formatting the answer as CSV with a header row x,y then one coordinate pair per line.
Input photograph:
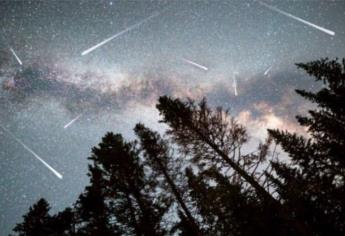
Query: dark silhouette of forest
x,y
194,180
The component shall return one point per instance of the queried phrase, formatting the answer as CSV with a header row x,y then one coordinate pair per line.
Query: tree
x,y
63,223
207,135
92,209
36,221
213,137
313,184
228,209
157,155
127,188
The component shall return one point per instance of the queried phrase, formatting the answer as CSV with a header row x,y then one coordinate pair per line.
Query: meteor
x,y
15,55
72,121
195,64
87,51
268,70
234,84
327,31
33,153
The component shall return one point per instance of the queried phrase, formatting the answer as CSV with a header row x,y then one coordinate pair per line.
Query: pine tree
x,y
207,135
157,155
213,137
39,222
313,184
93,213
63,223
36,221
228,209
127,187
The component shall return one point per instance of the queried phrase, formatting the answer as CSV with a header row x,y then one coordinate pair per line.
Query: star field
x,y
191,49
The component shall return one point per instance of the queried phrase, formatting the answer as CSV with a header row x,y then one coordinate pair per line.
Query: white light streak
x,y
327,31
268,70
15,55
72,121
196,64
234,83
55,172
87,51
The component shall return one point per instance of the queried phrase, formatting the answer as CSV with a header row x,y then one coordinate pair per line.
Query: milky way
x,y
238,54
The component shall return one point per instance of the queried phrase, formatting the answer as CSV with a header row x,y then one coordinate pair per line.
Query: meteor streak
x,y
15,55
72,121
234,84
327,31
195,64
268,70
33,153
87,51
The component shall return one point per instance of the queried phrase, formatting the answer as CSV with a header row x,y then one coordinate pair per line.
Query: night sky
x,y
59,103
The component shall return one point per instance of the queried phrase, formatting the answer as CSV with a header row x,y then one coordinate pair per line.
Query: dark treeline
x,y
195,180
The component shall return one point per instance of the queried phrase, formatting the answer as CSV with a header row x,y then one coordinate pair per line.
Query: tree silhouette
x,y
207,134
212,136
314,185
39,222
92,209
126,186
36,221
229,210
63,223
157,153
